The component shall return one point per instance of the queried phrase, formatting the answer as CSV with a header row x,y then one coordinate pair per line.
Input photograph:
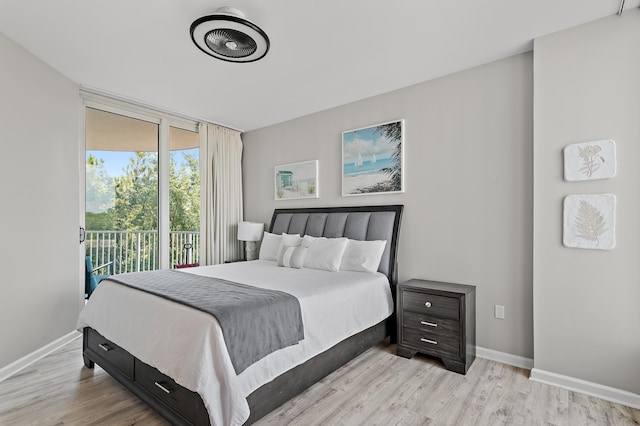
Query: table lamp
x,y
250,232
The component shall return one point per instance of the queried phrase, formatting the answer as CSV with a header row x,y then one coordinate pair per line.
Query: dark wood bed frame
x,y
183,407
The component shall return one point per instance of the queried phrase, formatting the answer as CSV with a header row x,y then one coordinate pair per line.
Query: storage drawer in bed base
x,y
191,416
263,400
176,397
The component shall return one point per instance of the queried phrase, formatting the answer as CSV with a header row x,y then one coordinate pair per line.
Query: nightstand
x,y
437,319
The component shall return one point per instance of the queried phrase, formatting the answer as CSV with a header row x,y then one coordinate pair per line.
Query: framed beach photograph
x,y
373,159
297,180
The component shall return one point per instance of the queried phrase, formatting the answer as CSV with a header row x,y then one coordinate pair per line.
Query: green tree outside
x,y
130,202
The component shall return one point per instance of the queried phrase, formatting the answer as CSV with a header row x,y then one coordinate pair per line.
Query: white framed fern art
x,y
589,221
590,160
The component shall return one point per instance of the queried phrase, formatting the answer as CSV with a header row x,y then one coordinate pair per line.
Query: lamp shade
x,y
250,231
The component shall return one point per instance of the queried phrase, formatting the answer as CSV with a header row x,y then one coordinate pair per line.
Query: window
x,y
142,189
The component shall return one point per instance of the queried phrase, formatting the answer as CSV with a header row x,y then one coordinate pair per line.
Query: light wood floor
x,y
378,388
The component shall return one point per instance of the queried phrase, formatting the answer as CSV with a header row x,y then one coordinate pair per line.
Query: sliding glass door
x,y
121,194
142,191
184,197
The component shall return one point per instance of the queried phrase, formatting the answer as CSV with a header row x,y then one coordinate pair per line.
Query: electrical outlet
x,y
499,311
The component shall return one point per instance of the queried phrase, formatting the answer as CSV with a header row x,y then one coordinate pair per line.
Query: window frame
x,y
164,120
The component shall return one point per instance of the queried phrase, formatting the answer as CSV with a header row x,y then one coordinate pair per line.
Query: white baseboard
x,y
34,356
570,383
504,358
589,388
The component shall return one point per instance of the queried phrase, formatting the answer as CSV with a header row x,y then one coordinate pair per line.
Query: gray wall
x,y
40,294
587,87
468,198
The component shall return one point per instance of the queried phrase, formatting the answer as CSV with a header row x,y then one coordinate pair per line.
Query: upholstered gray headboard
x,y
358,223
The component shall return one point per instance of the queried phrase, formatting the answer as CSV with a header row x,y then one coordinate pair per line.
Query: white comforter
x,y
187,344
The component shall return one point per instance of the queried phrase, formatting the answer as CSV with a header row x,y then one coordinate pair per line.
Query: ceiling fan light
x,y
228,36
230,43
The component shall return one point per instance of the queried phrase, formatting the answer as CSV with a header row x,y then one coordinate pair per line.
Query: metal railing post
x,y
138,251
118,246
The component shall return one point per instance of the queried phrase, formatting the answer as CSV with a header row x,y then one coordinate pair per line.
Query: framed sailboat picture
x,y
373,159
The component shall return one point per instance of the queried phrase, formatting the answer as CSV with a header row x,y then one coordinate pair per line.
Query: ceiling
x,y
323,53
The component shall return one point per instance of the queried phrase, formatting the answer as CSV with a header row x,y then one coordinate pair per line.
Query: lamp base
x,y
251,250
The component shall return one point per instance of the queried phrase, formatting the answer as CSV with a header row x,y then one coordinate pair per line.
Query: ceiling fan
x,y
229,36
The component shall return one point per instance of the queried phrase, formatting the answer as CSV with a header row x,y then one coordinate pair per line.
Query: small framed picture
x,y
590,161
297,180
589,221
373,159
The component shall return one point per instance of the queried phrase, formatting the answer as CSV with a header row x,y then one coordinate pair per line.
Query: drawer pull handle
x,y
430,324
162,387
427,304
433,342
105,347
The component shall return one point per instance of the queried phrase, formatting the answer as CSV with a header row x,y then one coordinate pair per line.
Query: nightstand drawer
x,y
431,304
110,352
430,343
433,325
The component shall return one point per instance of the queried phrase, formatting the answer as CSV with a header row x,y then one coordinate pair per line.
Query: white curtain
x,y
222,194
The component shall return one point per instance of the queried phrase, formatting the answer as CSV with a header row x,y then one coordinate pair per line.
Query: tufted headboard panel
x,y
356,222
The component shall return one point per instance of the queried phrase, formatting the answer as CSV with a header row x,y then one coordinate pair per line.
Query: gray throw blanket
x,y
254,321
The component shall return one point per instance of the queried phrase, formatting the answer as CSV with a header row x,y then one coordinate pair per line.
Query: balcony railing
x,y
133,251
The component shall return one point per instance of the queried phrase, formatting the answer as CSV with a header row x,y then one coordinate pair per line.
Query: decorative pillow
x,y
292,257
269,246
362,256
324,253
288,240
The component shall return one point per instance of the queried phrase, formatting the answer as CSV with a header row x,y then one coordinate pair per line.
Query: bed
x,y
188,378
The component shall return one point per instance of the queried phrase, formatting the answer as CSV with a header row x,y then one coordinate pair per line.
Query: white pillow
x,y
362,256
307,240
269,246
292,257
293,240
324,253
288,240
